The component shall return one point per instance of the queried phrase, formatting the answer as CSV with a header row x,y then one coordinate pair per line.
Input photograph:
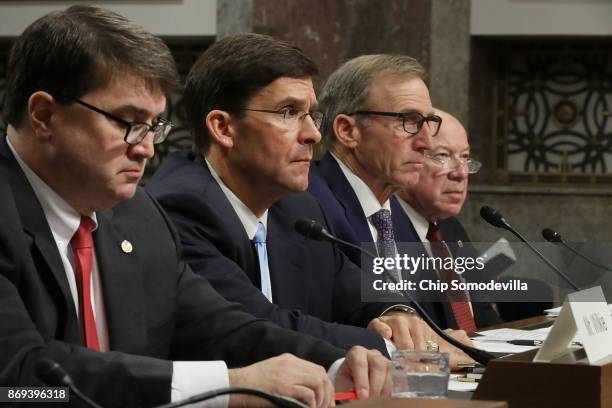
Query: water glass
x,y
419,374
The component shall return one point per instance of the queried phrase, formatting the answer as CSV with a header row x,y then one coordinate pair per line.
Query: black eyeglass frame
x,y
130,125
402,115
284,113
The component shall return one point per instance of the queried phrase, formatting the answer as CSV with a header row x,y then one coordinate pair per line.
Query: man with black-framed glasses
x,y
378,123
255,119
431,207
91,273
135,132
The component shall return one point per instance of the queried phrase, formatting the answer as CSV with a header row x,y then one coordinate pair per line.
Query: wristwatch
x,y
399,308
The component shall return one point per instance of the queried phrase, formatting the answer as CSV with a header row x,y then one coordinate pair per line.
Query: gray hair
x,y
347,88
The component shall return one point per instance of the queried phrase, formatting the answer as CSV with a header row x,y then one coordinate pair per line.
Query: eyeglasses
x,y
448,163
292,118
412,122
136,131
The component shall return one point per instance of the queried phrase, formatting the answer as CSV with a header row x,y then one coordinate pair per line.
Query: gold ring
x,y
431,345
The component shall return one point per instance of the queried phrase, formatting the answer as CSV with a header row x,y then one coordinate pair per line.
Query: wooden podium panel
x,y
390,402
525,384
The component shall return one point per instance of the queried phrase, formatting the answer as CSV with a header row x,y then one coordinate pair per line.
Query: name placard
x,y
586,313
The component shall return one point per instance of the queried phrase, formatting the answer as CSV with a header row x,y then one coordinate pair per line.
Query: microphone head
x,y
493,217
52,373
310,229
551,235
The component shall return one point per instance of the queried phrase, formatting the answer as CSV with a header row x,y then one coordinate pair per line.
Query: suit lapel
x,y
122,284
346,196
286,257
230,223
36,227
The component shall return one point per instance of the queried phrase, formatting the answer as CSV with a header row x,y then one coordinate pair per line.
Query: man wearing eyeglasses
x,y
378,122
91,274
254,115
431,206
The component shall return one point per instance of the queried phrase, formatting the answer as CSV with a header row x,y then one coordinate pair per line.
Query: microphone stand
x,y
313,230
494,218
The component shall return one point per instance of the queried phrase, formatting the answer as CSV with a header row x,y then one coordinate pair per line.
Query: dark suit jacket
x,y
341,206
156,308
453,232
313,284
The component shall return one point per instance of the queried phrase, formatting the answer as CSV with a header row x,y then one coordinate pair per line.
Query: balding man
x,y
432,204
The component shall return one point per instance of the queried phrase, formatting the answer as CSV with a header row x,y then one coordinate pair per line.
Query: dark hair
x,y
71,52
232,71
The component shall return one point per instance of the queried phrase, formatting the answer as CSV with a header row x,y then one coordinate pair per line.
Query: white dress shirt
x,y
421,226
188,377
370,205
249,221
368,201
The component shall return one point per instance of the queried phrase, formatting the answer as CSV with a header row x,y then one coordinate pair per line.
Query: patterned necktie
x,y
385,243
262,254
82,243
457,299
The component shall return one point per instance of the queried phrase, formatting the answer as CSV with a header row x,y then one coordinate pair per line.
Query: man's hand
x,y
405,330
285,375
409,331
367,371
456,356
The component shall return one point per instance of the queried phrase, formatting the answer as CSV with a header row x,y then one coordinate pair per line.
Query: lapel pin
x,y
126,246
460,243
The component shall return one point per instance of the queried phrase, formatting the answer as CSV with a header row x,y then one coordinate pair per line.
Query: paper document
x,y
455,385
494,341
555,311
513,334
500,347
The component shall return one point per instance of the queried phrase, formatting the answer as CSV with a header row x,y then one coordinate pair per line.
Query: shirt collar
x,y
249,221
62,218
420,223
368,201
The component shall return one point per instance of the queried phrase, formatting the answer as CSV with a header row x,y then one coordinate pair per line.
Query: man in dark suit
x,y
90,267
378,122
252,108
437,198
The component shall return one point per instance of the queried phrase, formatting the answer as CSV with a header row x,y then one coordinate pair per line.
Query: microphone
x,y
554,237
315,231
278,400
495,218
55,375
308,229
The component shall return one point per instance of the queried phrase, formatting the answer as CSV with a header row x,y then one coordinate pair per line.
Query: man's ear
x,y
346,131
219,125
41,107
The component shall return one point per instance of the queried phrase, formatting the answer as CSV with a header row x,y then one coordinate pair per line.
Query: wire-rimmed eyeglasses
x,y
448,163
292,118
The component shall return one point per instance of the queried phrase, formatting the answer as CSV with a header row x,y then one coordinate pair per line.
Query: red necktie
x,y
82,243
457,299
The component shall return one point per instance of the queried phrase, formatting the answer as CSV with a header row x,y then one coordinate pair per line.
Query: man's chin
x,y
125,192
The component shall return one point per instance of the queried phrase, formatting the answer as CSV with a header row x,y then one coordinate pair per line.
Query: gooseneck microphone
x,y
309,228
315,231
554,237
55,375
495,218
277,400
